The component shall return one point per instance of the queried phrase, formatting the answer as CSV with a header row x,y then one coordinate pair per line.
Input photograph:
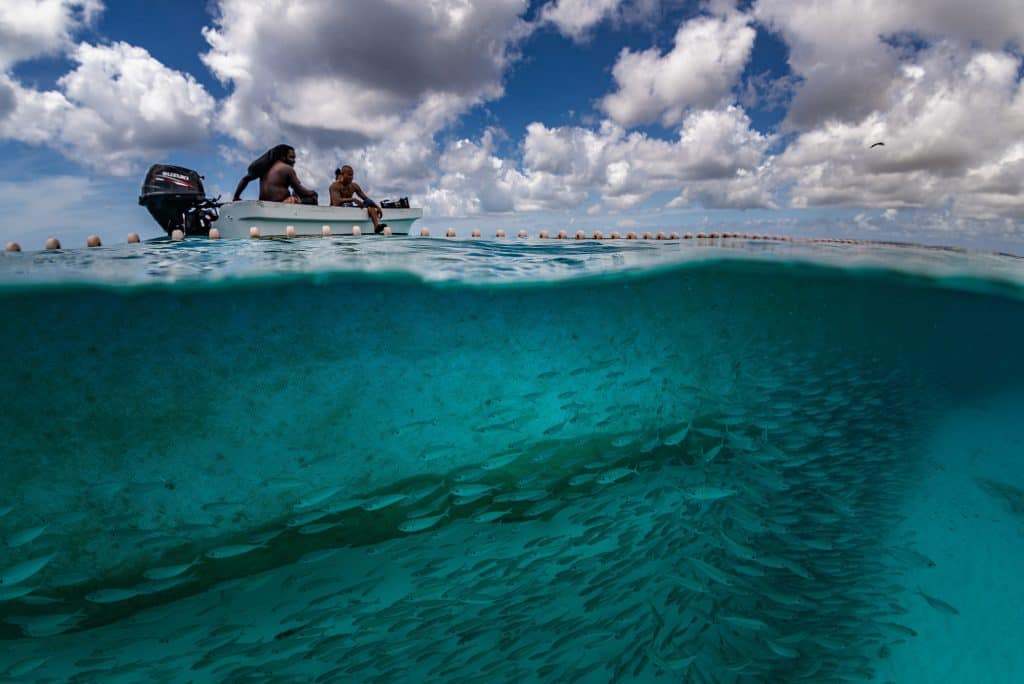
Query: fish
x,y
314,556
382,501
707,493
23,667
557,427
164,585
4,510
734,547
499,461
319,496
305,518
624,440
752,624
740,442
581,479
710,571
784,651
669,665
317,528
710,455
689,583
467,490
896,627
524,495
678,436
168,571
16,591
541,508
609,476
114,595
420,524
343,505
911,557
25,536
491,516
938,604
22,571
232,550
466,500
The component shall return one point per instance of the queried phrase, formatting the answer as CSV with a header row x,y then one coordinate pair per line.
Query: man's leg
x,y
375,213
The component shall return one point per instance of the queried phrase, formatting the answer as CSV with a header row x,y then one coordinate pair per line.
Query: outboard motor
x,y
175,197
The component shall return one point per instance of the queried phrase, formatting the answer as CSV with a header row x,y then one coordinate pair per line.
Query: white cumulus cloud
x,y
370,81
34,28
117,107
700,71
717,159
951,124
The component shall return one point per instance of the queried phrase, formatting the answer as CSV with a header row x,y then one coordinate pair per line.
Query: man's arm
x,y
242,184
367,202
294,184
339,200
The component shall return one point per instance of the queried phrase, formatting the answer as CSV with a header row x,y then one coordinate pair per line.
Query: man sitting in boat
x,y
276,173
341,195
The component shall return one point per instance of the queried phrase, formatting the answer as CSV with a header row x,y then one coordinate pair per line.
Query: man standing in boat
x,y
342,190
276,173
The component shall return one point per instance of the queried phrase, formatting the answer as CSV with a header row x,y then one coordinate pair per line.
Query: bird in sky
x,y
878,144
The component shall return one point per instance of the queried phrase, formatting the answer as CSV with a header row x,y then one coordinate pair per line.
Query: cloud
x,y
117,107
717,159
576,18
849,52
35,28
951,122
700,70
335,76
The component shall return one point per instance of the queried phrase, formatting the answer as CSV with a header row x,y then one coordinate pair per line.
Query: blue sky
x,y
756,115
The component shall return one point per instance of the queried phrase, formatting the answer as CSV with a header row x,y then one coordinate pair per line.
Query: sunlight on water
x,y
419,460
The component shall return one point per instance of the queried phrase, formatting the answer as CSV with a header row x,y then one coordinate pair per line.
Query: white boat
x,y
272,219
175,198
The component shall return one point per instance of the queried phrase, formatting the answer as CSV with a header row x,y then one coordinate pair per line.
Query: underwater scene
x,y
428,460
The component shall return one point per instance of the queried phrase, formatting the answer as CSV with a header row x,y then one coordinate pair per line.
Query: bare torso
x,y
342,194
281,177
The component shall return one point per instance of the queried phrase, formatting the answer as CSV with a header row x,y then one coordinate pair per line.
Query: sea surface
x,y
429,460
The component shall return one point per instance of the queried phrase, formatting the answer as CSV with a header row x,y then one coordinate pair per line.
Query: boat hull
x,y
273,219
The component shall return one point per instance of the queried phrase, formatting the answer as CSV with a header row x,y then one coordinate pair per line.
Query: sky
x,y
755,116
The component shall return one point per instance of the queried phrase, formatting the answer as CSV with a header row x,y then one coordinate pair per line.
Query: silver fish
x,y
22,571
609,476
491,516
111,595
25,536
167,571
708,493
938,604
383,501
231,550
420,524
466,490
678,436
319,496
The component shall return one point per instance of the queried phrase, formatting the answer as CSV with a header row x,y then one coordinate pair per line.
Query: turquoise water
x,y
411,460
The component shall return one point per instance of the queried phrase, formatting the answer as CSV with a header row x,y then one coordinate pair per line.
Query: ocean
x,y
429,460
